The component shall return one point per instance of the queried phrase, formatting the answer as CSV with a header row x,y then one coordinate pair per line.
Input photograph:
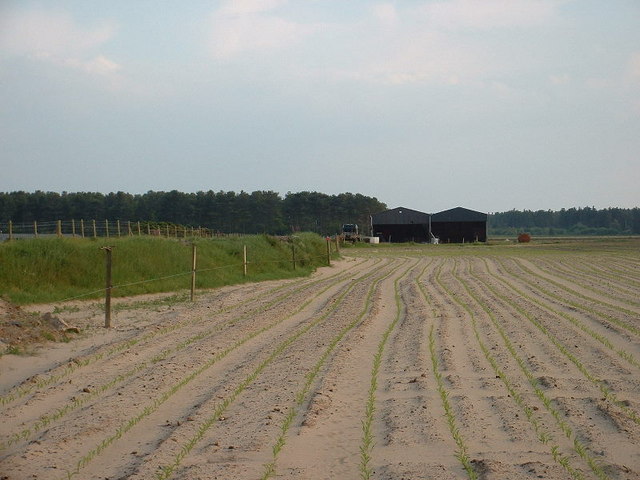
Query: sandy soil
x,y
517,366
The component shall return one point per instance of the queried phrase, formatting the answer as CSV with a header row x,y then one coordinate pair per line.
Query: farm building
x,y
456,225
401,225
459,225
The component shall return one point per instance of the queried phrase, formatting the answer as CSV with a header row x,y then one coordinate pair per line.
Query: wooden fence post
x,y
95,230
139,233
73,228
193,270
59,228
10,230
118,227
106,228
35,228
328,252
108,286
244,260
293,253
82,227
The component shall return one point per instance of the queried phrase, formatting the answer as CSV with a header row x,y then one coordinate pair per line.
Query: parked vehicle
x,y
350,232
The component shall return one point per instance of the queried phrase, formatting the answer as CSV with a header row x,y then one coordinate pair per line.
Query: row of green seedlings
x,y
579,277
461,452
579,447
302,394
628,261
127,344
607,393
621,279
77,402
596,272
23,390
619,276
367,443
582,306
168,470
541,432
626,265
77,363
576,322
127,426
46,419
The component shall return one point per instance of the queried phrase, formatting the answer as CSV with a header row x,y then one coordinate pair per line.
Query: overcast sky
x,y
426,104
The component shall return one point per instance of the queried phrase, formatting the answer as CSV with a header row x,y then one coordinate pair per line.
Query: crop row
x,y
168,470
519,397
606,391
116,348
302,394
593,275
185,447
77,402
582,302
367,442
153,336
547,402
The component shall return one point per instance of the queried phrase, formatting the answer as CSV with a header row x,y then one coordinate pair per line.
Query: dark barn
x,y
401,225
459,225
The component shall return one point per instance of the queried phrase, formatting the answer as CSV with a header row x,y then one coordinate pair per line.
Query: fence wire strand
x,y
300,260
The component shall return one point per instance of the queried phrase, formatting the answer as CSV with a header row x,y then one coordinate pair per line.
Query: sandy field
x,y
433,362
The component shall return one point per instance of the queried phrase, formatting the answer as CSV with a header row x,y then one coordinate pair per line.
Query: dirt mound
x,y
20,330
8,310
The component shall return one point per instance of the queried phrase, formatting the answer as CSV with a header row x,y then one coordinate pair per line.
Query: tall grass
x,y
51,270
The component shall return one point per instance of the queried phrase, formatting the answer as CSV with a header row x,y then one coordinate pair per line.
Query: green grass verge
x,y
50,270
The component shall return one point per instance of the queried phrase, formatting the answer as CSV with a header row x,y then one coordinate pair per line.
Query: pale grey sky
x,y
487,104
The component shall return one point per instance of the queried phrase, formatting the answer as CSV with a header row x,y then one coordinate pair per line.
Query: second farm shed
x,y
457,225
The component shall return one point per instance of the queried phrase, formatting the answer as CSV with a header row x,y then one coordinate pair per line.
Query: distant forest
x,y
227,212
572,221
268,212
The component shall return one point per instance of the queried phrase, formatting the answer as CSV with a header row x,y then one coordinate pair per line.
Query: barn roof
x,y
459,214
400,216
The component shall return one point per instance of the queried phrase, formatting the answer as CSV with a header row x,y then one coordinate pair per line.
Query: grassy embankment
x,y
53,270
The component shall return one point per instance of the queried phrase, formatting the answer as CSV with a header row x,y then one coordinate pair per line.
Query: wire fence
x,y
107,290
103,228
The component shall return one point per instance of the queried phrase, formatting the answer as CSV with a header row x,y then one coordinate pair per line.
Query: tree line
x,y
269,212
227,212
572,221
